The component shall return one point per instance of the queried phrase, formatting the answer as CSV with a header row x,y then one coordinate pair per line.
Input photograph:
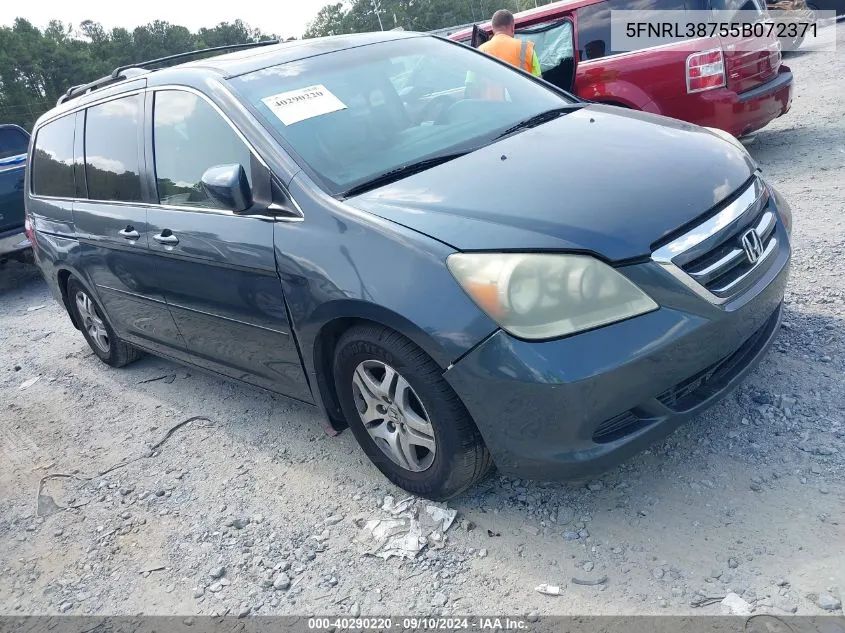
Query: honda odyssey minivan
x,y
533,282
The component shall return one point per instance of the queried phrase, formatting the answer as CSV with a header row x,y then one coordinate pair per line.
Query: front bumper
x,y
14,242
574,407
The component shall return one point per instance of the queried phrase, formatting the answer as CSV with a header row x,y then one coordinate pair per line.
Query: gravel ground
x,y
253,509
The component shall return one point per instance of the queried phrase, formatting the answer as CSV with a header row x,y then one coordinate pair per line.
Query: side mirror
x,y
228,186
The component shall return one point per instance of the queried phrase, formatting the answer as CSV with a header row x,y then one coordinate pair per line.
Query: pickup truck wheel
x,y
405,416
96,329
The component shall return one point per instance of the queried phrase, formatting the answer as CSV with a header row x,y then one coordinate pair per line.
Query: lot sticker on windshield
x,y
305,103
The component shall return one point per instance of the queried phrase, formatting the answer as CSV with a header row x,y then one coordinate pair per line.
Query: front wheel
x,y
96,329
405,416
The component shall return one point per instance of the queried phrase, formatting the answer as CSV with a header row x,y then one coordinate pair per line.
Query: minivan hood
x,y
601,179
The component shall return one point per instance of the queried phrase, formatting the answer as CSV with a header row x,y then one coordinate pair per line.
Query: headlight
x,y
538,296
730,138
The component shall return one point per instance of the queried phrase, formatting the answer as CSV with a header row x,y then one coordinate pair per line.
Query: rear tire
x,y
102,340
405,416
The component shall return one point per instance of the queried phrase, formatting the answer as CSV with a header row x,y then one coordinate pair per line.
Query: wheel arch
x,y
63,275
343,318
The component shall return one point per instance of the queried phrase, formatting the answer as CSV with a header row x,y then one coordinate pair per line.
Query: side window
x,y
552,43
594,22
189,137
111,150
52,160
732,6
13,141
593,31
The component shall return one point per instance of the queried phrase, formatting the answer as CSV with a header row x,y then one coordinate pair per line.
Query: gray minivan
x,y
532,281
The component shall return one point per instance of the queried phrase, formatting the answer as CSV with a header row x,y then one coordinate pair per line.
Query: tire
x,y
459,459
96,329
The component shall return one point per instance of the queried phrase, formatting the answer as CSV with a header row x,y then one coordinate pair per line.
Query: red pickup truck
x,y
737,86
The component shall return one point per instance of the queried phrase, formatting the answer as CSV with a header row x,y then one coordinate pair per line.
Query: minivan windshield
x,y
359,115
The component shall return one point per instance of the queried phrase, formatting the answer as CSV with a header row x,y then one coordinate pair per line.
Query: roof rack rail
x,y
196,53
134,70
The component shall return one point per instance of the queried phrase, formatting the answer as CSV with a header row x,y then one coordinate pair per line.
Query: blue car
x,y
526,280
14,243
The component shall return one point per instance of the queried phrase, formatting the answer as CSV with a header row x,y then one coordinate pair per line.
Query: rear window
x,y
593,22
52,160
111,150
13,142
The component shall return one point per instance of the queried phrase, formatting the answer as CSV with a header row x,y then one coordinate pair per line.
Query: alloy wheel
x,y
394,415
92,321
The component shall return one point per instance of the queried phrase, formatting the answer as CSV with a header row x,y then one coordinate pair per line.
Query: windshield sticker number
x,y
306,103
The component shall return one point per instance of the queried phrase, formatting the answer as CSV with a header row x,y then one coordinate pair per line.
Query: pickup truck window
x,y
111,150
52,160
12,142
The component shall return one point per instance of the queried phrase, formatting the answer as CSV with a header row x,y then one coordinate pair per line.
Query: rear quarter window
x,y
732,6
52,159
593,22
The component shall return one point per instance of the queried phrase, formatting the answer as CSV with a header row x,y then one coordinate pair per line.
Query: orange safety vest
x,y
516,52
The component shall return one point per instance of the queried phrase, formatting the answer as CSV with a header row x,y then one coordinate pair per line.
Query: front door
x,y
217,269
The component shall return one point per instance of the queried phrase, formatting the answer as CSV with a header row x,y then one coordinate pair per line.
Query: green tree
x,y
38,66
412,15
329,21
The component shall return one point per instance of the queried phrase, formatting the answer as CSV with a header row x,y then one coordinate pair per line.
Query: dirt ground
x,y
252,509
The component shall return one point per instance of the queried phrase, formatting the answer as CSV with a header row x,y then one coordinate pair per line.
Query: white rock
x,y
734,605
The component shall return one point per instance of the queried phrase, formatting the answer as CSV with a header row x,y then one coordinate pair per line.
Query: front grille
x,y
727,253
724,269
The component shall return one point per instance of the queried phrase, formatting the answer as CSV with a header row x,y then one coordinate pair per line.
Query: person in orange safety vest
x,y
506,47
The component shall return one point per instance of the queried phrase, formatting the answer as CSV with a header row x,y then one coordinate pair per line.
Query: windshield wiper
x,y
401,172
539,119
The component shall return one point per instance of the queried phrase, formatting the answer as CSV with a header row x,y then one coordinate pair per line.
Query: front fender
x,y
344,263
341,264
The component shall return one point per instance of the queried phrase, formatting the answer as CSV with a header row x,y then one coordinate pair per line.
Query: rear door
x,y
749,61
110,217
14,143
217,269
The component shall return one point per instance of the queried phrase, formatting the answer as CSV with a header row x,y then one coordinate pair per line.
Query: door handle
x,y
166,237
129,233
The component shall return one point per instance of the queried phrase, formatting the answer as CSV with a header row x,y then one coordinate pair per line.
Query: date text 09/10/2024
x,y
418,623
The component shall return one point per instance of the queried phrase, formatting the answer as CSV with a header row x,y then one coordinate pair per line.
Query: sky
x,y
285,18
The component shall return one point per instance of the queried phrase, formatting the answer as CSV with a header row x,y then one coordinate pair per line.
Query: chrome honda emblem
x,y
752,245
